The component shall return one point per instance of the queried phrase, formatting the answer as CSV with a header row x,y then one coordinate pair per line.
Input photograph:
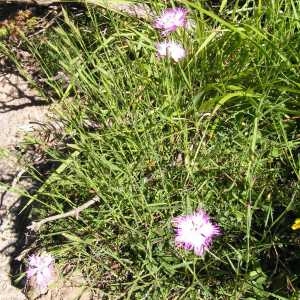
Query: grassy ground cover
x,y
155,139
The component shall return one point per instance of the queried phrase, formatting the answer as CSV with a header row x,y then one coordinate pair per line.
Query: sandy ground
x,y
21,111
20,108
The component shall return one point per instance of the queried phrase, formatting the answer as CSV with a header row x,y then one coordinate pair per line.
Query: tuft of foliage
x,y
154,139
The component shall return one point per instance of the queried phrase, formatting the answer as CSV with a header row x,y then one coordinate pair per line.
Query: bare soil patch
x,y
20,110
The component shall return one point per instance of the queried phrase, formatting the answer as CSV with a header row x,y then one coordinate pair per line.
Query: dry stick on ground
x,y
35,226
138,10
33,2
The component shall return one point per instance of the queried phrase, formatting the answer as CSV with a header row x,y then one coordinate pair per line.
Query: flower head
x,y
171,19
170,49
195,232
41,269
296,224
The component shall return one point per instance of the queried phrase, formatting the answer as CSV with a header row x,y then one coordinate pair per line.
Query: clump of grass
x,y
217,131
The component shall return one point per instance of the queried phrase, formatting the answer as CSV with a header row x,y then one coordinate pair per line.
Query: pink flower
x,y
41,269
171,19
195,232
170,49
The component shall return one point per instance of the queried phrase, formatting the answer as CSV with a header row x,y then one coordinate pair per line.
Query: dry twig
x,y
35,226
139,10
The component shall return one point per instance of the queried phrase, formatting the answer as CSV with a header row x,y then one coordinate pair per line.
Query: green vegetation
x,y
155,139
